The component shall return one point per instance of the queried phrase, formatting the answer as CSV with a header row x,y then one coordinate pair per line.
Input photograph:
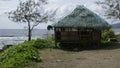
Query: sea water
x,y
15,36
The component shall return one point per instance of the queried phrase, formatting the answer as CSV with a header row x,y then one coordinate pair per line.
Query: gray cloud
x,y
5,0
65,7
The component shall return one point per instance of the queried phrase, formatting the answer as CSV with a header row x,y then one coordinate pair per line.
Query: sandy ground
x,y
107,57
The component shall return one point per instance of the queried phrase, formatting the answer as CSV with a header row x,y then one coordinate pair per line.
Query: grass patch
x,y
19,56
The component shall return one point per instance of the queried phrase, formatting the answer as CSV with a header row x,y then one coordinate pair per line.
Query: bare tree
x,y
32,13
112,8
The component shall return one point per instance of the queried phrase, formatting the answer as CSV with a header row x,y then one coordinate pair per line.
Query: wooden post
x,y
55,36
100,37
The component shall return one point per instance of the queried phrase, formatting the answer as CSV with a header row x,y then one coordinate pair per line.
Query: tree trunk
x,y
29,31
29,28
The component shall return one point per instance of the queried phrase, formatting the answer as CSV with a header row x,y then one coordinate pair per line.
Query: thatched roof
x,y
83,18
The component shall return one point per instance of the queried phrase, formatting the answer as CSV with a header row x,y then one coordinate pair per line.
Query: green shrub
x,y
19,55
118,38
44,43
107,34
105,42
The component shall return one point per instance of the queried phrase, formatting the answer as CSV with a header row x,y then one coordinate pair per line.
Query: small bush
x,y
44,43
19,56
107,34
105,42
118,38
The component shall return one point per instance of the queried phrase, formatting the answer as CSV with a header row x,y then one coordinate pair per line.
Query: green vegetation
x,y
45,43
107,35
118,37
24,54
19,56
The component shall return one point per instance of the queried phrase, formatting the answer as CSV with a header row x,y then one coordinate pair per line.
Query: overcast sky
x,y
65,7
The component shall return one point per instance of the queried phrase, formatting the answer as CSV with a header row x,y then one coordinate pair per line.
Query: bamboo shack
x,y
81,27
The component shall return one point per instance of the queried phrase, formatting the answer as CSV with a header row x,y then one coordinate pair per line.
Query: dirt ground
x,y
107,57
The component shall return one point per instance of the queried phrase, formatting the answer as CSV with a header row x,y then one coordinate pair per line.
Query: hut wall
x,y
70,36
96,37
78,36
